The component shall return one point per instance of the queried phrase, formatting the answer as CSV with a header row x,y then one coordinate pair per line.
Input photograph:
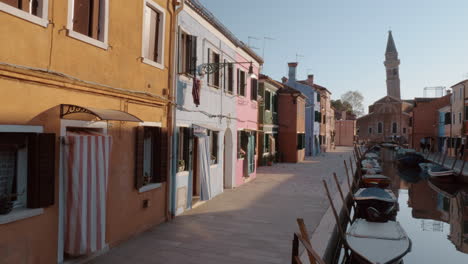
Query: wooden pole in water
x,y
353,174
305,235
338,223
348,214
347,175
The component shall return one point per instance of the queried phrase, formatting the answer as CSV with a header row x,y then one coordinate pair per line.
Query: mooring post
x,y
347,175
348,214
337,218
295,250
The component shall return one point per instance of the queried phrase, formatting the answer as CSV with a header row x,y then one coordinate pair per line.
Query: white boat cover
x,y
378,242
372,155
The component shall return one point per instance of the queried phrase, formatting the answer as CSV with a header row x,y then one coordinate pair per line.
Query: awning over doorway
x,y
102,114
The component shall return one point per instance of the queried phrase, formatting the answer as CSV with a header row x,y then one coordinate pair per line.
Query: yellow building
x,y
91,78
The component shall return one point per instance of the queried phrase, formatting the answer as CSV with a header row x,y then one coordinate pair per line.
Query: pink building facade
x,y
247,117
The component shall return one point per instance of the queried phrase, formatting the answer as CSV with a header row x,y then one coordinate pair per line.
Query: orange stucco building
x,y
62,80
291,122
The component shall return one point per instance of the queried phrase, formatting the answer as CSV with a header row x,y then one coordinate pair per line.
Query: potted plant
x,y
6,203
181,166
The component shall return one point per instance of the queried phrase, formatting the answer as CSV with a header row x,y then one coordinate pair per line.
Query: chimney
x,y
284,79
292,71
310,79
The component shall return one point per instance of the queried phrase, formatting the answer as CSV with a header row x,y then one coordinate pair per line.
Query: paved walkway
x,y
250,224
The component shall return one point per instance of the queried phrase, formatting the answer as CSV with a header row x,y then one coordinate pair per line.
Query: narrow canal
x,y
433,214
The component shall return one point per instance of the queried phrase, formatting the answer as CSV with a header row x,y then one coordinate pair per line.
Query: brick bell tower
x,y
392,64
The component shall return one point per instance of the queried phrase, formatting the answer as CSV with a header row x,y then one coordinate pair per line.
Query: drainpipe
x,y
172,80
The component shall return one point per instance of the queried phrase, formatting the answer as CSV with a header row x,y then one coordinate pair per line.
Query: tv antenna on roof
x,y
298,56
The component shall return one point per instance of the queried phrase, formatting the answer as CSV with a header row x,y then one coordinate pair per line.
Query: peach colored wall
x,y
35,239
32,98
291,121
247,113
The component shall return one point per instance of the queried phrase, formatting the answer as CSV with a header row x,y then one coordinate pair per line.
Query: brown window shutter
x,y
231,78
209,61
139,156
188,50
81,16
41,170
24,5
238,82
94,18
163,168
193,56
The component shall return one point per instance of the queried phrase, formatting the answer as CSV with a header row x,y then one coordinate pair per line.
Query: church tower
x,y
392,64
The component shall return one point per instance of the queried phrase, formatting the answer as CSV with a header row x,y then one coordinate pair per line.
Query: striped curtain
x,y
86,159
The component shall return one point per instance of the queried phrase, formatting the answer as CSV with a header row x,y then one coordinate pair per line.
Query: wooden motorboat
x,y
381,243
448,190
375,180
376,204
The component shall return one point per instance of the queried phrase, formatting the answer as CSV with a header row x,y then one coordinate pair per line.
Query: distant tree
x,y
355,99
341,107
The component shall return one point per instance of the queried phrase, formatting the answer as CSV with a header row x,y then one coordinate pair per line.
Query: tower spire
x,y
392,64
391,48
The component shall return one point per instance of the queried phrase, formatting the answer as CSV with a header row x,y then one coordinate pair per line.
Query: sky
x,y
343,42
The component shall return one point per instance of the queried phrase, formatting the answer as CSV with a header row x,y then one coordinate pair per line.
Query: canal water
x,y
434,215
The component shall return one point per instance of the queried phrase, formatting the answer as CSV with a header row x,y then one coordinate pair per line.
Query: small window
x,y
253,89
27,170
301,141
324,120
214,146
32,10
241,82
404,130
151,155
394,128
267,100
453,119
274,104
214,78
229,77
318,97
266,143
380,128
459,117
153,34
187,54
183,152
88,21
448,118
370,130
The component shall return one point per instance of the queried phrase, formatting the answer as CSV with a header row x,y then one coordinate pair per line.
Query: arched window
x,y
370,130
394,127
380,128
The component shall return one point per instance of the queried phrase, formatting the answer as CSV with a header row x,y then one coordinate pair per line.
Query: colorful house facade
x,y
213,105
268,120
84,125
312,129
292,125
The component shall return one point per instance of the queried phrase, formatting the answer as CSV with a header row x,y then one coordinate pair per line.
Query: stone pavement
x,y
250,224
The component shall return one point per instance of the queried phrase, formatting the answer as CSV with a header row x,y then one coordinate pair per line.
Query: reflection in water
x,y
433,214
430,212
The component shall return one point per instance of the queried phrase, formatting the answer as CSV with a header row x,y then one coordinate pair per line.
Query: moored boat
x,y
410,160
375,180
375,204
382,243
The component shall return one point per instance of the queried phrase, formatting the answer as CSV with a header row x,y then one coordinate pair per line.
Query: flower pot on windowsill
x,y
181,166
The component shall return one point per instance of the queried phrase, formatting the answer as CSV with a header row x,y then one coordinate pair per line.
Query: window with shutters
x,y
154,18
27,171
301,141
214,79
151,156
253,89
183,152
229,77
187,54
35,11
267,100
394,128
241,82
88,21
380,128
370,130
